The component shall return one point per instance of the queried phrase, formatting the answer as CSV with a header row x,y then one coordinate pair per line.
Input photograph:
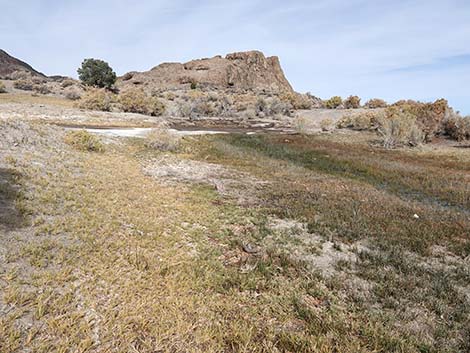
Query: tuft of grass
x,y
82,140
162,139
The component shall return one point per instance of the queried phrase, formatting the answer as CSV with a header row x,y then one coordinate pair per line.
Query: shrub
x,y
333,102
133,101
155,106
297,100
376,103
25,85
399,128
162,139
277,106
38,80
95,99
352,102
193,85
3,89
98,73
301,124
326,124
82,140
170,96
429,116
137,101
72,95
42,89
457,127
67,83
362,121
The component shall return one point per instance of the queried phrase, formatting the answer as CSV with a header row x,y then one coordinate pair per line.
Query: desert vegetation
x,y
274,242
82,140
376,103
352,102
410,123
137,101
96,73
23,84
334,102
96,99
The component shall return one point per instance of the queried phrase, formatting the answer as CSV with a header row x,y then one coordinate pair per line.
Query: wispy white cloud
x,y
366,47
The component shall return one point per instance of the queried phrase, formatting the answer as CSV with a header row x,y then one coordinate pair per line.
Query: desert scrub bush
x,y
82,140
362,121
67,83
334,102
137,101
326,124
97,73
170,96
25,85
375,103
72,95
162,139
352,102
457,127
279,107
42,89
95,99
297,100
304,126
429,116
155,106
399,128
3,89
133,101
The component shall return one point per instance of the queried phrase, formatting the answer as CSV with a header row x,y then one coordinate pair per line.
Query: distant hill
x,y
9,65
245,70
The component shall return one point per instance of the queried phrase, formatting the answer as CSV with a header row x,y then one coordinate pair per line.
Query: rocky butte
x,y
250,70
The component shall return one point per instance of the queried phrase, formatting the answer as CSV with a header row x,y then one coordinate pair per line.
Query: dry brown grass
x,y
27,98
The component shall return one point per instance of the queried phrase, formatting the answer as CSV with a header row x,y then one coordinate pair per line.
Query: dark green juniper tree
x,y
98,73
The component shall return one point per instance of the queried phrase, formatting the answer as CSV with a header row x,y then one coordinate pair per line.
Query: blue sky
x,y
417,49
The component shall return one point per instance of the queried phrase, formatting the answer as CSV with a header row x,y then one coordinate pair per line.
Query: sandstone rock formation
x,y
243,71
9,65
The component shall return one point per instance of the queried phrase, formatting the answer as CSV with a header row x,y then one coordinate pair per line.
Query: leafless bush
x,y
456,126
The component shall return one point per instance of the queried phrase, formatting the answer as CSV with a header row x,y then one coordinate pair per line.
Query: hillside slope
x,y
10,64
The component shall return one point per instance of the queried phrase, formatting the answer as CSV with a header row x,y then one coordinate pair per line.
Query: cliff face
x,y
9,65
246,71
